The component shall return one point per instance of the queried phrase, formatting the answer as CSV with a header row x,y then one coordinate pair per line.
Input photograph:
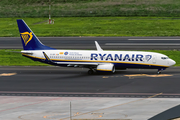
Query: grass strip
x,y
8,58
90,8
95,26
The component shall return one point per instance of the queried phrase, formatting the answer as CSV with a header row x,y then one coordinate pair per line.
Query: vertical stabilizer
x,y
29,39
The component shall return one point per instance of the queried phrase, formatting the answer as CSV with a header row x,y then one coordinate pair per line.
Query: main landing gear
x,y
90,72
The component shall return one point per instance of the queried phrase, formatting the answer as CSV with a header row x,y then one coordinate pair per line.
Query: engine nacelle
x,y
106,67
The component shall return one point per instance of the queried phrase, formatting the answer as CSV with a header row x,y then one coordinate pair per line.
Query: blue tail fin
x,y
29,39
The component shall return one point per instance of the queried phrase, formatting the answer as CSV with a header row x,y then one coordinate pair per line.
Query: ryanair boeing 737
x,y
95,60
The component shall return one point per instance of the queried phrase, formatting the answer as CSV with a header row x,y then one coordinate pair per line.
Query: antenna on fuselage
x,y
98,47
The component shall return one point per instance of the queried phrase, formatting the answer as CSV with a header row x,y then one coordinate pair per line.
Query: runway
x,y
75,82
43,93
107,43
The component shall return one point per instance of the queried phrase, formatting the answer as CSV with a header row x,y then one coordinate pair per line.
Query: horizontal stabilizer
x,y
27,52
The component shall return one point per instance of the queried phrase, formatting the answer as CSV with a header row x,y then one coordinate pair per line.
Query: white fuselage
x,y
120,59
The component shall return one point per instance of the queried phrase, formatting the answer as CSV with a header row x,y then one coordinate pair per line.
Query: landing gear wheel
x,y
90,72
113,70
159,72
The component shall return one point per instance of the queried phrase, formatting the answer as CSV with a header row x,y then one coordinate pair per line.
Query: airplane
x,y
96,60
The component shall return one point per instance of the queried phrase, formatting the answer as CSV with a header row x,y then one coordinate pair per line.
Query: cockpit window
x,y
164,58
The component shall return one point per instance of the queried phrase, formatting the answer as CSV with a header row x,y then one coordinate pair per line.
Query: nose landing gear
x,y
160,70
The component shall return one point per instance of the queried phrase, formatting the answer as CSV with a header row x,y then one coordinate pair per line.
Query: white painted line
x,y
147,44
154,39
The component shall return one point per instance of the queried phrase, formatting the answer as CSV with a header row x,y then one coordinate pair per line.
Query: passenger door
x,y
154,59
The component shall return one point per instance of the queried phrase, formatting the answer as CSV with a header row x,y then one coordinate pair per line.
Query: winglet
x,y
98,47
47,58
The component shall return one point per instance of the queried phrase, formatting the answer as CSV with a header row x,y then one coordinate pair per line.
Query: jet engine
x,y
106,67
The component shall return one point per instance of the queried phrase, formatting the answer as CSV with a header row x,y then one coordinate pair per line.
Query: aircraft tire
x,y
113,70
90,72
159,72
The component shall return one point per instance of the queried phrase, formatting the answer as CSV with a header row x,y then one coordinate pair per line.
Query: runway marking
x,y
100,116
146,75
161,75
105,77
79,94
77,113
8,74
53,115
115,106
140,75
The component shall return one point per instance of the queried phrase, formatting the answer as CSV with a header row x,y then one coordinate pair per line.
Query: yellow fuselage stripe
x,y
103,70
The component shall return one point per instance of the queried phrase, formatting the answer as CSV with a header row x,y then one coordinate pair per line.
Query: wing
x,y
71,64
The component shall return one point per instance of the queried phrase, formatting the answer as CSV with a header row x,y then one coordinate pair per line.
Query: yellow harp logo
x,y
26,36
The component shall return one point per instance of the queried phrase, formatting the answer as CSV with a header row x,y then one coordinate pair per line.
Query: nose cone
x,y
171,62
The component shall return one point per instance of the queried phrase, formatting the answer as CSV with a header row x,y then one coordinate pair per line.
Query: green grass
x,y
9,58
95,26
16,59
80,8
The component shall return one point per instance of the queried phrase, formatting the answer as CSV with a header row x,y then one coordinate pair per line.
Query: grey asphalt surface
x,y
131,94
58,108
74,82
107,43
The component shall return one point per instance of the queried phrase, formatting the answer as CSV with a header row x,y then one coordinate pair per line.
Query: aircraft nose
x,y
172,62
